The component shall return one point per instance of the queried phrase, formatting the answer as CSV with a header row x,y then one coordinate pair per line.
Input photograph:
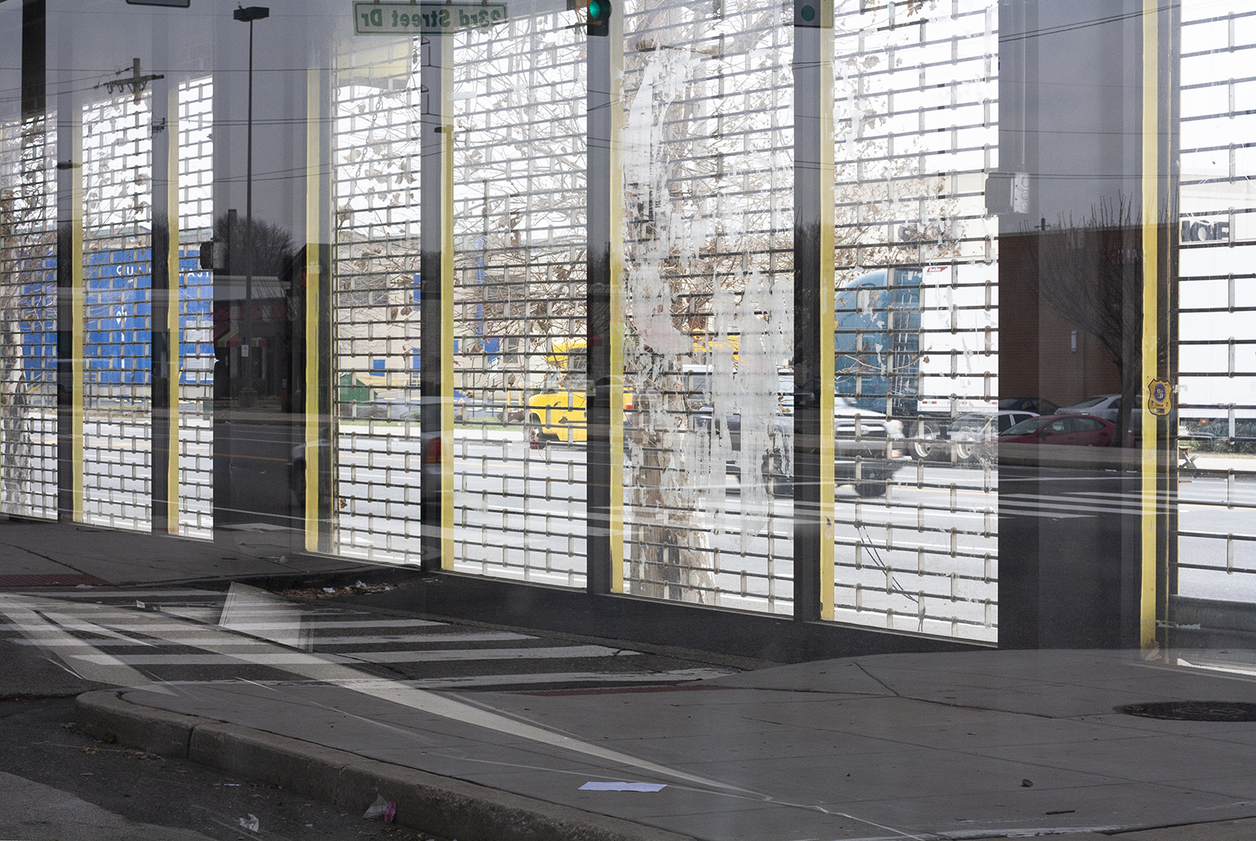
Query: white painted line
x,y
182,635
377,623
111,593
630,678
120,621
551,653
383,639
608,679
325,667
106,669
250,651
229,655
203,615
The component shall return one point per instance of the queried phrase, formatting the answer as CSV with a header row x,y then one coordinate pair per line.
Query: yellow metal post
x,y
447,304
313,281
1150,453
77,315
828,362
172,311
615,40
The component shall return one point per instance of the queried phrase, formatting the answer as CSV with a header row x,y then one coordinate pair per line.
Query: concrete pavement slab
x,y
1239,732
1144,759
1240,787
125,558
903,775
832,677
1217,831
445,806
738,745
903,721
778,821
1031,812
783,761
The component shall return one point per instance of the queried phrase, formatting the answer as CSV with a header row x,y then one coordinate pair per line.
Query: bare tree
x,y
271,245
1090,274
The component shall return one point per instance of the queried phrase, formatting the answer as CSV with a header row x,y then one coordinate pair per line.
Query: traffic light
x,y
599,17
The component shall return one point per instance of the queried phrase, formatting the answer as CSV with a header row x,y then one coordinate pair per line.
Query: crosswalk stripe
x,y
44,638
205,638
126,622
475,681
227,653
384,639
100,592
574,652
493,680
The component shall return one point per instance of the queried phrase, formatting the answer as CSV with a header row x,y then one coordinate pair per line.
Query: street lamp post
x,y
249,14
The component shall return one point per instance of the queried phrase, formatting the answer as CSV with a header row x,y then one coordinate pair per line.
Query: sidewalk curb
x,y
440,805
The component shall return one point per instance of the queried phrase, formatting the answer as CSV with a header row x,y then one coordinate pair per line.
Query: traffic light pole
x,y
813,310
436,305
605,289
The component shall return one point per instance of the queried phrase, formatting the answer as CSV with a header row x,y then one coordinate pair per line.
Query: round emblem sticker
x,y
1159,397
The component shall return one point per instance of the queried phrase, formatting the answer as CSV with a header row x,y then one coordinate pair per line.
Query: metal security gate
x,y
117,329
1213,586
916,333
28,368
196,309
375,323
706,145
520,451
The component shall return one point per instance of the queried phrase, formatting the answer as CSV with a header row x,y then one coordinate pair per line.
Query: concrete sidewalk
x,y
957,745
944,745
61,554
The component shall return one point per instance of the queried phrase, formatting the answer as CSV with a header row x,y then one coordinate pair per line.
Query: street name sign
x,y
371,18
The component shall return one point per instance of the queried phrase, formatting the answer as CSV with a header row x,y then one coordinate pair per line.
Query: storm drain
x,y
1193,710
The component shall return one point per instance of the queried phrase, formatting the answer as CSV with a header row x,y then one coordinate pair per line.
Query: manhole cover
x,y
1193,710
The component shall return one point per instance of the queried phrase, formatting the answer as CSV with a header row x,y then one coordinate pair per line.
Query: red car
x,y
1077,430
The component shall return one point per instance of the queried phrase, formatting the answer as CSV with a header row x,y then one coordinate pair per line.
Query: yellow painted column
x,y
77,315
447,305
828,362
313,289
1150,453
615,40
172,310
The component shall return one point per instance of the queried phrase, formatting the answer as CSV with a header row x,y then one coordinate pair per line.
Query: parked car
x,y
1077,430
876,445
1034,405
1106,406
975,434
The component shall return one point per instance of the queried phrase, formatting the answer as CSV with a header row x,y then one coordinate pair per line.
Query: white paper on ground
x,y
623,787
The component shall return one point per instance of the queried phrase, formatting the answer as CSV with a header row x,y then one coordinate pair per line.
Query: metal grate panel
x,y
1216,337
519,322
917,316
708,196
375,321
196,309
117,392
28,367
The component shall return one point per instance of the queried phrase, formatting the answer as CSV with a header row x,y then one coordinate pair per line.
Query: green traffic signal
x,y
599,17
